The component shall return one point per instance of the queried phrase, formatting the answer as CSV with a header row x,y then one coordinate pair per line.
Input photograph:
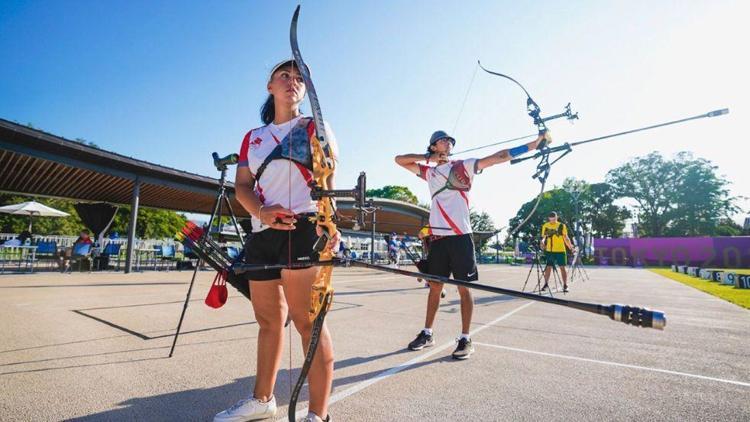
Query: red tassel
x,y
217,294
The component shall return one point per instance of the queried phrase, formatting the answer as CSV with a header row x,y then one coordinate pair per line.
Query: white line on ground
x,y
622,365
356,388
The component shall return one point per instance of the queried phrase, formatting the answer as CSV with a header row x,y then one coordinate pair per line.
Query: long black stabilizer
x,y
631,315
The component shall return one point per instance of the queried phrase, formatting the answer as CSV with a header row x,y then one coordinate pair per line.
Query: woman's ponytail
x,y
267,111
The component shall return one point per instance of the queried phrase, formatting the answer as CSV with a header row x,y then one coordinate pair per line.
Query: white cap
x,y
280,65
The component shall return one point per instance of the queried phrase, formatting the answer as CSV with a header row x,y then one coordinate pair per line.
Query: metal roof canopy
x,y
34,162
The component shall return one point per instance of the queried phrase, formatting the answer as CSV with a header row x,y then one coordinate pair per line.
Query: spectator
x,y
393,250
25,237
83,238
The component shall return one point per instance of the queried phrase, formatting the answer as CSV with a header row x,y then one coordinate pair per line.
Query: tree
x,y
727,227
649,180
399,193
65,226
604,218
556,199
152,223
679,197
592,205
702,198
481,222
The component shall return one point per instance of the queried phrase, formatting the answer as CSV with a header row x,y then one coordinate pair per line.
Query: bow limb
x,y
502,75
323,162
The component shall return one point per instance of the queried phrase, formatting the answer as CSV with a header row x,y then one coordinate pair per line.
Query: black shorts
x,y
453,255
272,246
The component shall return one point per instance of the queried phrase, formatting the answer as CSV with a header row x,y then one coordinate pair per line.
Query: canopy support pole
x,y
132,224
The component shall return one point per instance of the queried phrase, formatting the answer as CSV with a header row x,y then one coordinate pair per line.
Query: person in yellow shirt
x,y
554,242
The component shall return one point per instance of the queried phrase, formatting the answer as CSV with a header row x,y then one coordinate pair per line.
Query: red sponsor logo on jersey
x,y
460,173
255,143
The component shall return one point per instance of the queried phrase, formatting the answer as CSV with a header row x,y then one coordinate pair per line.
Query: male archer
x,y
451,244
554,241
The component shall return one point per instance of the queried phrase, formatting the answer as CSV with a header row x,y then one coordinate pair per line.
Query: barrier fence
x,y
701,252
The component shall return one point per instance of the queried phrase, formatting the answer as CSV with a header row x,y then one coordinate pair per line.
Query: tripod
x,y
221,200
576,268
535,264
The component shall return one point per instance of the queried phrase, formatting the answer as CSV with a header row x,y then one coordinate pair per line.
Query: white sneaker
x,y
250,409
312,417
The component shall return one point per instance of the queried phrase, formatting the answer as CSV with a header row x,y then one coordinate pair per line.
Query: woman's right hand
x,y
439,157
277,217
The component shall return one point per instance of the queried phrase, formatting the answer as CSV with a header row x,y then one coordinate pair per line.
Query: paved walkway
x,y
93,347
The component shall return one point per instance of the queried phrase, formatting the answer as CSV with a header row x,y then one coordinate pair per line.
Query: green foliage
x,y
592,205
152,223
399,193
553,200
597,212
679,197
481,222
66,226
727,227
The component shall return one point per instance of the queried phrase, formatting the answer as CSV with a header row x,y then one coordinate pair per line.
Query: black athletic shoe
x,y
463,350
544,287
565,289
423,340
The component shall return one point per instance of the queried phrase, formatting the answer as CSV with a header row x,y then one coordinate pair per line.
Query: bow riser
x,y
323,168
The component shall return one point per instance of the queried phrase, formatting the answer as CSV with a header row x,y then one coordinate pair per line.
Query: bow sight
x,y
534,111
359,192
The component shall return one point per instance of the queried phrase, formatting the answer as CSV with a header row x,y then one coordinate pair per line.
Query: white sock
x,y
464,336
427,331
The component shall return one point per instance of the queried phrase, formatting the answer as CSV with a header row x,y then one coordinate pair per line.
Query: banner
x,y
701,252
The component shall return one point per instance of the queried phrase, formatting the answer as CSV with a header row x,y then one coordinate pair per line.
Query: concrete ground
x,y
93,347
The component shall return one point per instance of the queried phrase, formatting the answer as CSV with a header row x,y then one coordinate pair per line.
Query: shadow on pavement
x,y
202,404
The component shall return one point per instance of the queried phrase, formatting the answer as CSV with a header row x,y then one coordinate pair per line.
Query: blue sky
x,y
170,82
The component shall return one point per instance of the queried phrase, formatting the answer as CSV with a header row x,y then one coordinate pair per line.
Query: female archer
x,y
451,244
272,184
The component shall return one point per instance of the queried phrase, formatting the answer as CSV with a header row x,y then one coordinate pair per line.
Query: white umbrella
x,y
32,209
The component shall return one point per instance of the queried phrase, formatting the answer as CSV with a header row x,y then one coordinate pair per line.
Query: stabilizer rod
x,y
631,315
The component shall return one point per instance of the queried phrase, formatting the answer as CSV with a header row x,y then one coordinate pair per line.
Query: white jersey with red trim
x,y
283,182
449,212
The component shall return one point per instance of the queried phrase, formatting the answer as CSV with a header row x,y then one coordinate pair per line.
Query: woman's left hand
x,y
333,241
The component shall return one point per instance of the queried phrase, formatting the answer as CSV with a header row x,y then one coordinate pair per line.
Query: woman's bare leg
x,y
270,311
297,288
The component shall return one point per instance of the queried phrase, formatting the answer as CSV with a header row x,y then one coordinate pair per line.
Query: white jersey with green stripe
x,y
449,186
